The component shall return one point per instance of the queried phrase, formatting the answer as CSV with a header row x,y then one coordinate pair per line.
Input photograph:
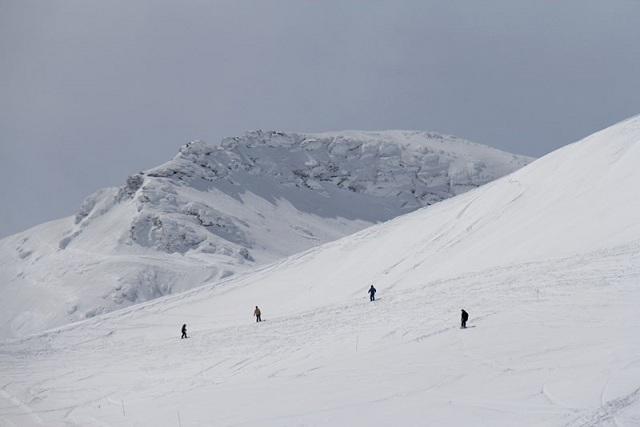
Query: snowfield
x,y
546,260
215,211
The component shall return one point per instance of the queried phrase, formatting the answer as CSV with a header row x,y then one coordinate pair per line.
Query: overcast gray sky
x,y
92,91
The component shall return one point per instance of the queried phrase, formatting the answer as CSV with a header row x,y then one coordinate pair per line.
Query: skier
x,y
184,332
257,313
463,319
372,293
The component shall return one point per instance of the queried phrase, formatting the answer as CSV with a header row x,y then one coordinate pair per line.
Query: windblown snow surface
x,y
546,261
218,210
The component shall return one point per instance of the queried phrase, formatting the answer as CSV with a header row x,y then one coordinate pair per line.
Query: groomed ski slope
x,y
546,261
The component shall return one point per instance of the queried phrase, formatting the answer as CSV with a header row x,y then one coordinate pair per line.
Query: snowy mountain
x,y
546,260
218,210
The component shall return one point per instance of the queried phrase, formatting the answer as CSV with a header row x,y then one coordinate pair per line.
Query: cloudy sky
x,y
91,91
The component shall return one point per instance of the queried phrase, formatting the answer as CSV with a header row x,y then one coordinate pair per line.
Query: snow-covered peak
x,y
216,210
419,168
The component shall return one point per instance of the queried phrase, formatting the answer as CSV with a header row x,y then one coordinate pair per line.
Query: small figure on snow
x,y
372,293
184,332
463,319
257,313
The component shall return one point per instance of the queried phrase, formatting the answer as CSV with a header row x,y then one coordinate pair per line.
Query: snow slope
x,y
218,210
546,260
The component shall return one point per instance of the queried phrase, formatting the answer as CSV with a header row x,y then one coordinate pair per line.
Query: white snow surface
x,y
546,260
218,210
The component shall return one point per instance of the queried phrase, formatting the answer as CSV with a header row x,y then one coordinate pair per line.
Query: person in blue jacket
x,y
372,293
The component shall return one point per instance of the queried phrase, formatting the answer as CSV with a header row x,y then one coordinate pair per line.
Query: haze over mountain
x,y
546,260
84,102
217,210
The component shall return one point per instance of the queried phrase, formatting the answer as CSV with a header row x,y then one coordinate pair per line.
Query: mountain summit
x,y
217,210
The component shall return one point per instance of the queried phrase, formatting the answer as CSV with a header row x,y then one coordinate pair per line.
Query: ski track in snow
x,y
328,340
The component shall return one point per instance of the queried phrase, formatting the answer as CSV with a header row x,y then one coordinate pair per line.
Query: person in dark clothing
x,y
257,313
184,332
463,319
372,293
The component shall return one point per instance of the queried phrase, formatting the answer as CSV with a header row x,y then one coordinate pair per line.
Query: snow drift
x,y
217,210
546,260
